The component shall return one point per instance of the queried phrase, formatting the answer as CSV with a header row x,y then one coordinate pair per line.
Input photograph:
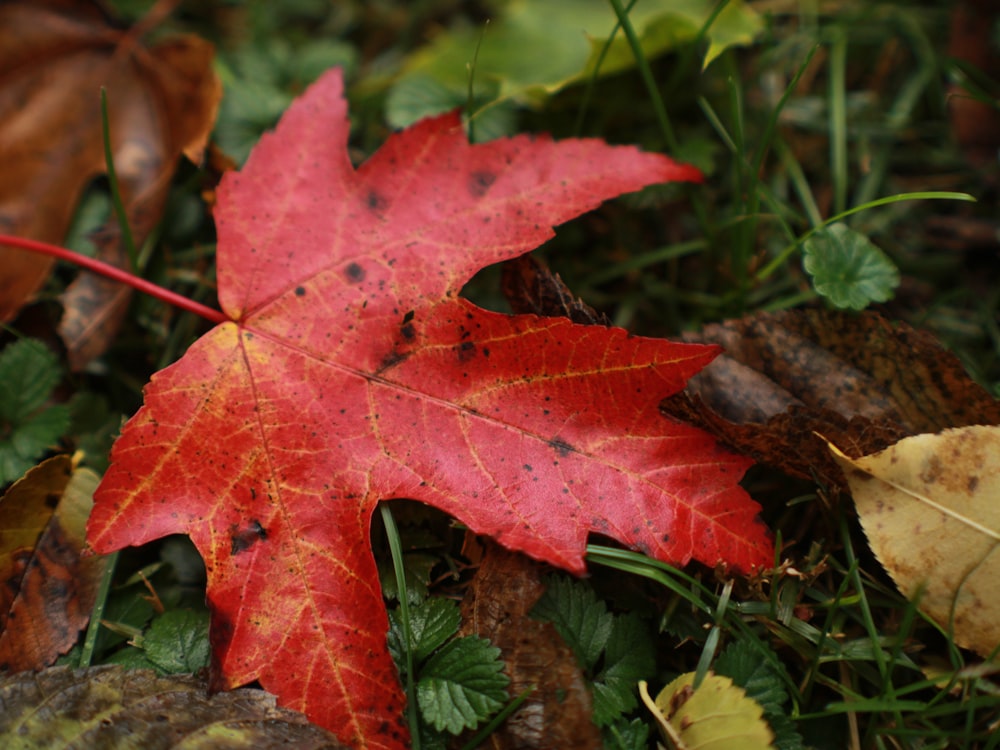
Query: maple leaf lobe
x,y
354,373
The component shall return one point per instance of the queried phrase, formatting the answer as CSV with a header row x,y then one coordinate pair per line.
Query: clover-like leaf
x,y
847,268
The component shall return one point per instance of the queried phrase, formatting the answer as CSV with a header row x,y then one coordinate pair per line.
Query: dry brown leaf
x,y
48,588
55,55
496,606
531,288
114,708
859,380
929,508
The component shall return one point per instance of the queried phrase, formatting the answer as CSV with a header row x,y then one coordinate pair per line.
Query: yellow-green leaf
x,y
716,716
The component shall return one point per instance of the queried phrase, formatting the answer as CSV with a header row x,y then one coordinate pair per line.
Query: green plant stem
x,y
396,550
117,274
785,254
647,76
483,734
97,613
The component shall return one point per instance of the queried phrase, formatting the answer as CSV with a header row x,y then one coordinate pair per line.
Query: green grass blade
x,y
396,550
116,195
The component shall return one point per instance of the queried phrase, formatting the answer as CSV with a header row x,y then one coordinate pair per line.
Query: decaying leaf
x,y
350,372
928,505
716,716
858,380
497,606
54,58
531,288
113,708
48,589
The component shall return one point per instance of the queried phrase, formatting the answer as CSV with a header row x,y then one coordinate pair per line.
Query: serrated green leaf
x,y
847,268
461,685
417,568
131,658
177,642
580,617
628,658
627,735
28,373
432,622
743,662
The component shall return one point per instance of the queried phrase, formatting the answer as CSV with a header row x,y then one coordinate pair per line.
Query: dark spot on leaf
x,y
244,539
52,500
480,182
561,446
409,333
391,359
408,317
300,291
376,202
355,272
527,467
466,351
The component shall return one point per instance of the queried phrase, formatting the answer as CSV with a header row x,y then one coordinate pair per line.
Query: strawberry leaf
x,y
462,684
350,372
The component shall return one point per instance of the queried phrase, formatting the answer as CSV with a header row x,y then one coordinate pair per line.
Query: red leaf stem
x,y
117,274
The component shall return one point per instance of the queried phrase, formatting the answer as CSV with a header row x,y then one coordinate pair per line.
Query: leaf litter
x,y
54,59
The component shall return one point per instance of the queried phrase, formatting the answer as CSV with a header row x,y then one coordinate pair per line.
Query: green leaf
x,y
533,49
28,373
628,658
177,642
417,568
432,622
580,617
847,268
627,735
131,658
461,685
744,663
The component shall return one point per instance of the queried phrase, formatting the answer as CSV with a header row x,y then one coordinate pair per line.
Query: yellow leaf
x,y
929,506
716,716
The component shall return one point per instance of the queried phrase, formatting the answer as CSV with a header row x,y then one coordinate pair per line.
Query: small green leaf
x,y
28,373
461,685
743,662
627,735
432,622
628,658
131,658
847,268
580,617
177,642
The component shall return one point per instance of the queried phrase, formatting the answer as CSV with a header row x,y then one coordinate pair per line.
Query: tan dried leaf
x,y
928,505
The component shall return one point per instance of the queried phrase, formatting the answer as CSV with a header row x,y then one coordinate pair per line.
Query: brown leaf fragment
x,y
530,287
496,606
858,380
54,58
110,707
47,588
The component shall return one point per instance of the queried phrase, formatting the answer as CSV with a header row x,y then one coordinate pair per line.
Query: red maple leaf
x,y
351,372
